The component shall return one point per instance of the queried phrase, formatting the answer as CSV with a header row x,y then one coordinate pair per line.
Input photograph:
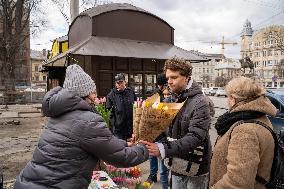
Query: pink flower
x,y
103,100
97,101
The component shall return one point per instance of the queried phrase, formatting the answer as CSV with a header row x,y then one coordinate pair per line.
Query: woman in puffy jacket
x,y
74,139
244,150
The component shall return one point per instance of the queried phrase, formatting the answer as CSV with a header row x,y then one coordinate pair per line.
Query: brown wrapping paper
x,y
150,122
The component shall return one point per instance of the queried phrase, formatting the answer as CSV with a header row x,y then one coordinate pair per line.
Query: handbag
x,y
189,166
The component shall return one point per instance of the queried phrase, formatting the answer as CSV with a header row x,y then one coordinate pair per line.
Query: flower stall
x,y
118,178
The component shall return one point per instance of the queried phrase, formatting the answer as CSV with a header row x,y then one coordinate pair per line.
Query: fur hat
x,y
245,88
78,82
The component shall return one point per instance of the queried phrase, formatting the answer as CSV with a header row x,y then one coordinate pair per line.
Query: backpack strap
x,y
259,178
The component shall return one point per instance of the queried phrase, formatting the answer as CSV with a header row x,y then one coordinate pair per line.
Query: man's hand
x,y
152,147
130,142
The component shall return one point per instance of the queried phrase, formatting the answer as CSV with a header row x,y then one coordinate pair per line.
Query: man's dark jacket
x,y
191,127
121,103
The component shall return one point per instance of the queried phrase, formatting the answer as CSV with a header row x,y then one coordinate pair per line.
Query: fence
x,y
21,97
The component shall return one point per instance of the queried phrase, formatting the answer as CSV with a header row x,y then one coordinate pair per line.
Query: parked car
x,y
205,91
221,92
212,91
277,99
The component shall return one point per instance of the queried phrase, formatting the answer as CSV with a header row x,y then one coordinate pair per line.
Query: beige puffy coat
x,y
236,162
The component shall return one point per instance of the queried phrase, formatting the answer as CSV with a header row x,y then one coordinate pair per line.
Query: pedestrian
x,y
155,162
161,85
189,141
120,101
74,139
244,150
211,106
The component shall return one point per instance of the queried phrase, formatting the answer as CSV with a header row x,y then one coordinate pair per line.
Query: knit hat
x,y
78,82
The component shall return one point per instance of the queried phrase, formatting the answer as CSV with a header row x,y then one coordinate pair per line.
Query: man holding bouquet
x,y
187,152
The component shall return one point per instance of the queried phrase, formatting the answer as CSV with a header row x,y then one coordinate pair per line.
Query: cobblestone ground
x,y
17,142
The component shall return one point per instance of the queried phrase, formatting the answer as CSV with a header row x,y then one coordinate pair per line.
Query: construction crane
x,y
222,43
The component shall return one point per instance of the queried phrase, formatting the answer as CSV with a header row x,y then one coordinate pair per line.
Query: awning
x,y
105,46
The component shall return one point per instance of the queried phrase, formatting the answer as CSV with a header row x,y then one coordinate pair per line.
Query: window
x,y
269,63
150,83
269,53
264,43
36,68
37,78
264,53
44,78
275,84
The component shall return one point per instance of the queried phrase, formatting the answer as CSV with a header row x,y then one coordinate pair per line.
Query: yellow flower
x,y
147,103
146,184
165,108
160,106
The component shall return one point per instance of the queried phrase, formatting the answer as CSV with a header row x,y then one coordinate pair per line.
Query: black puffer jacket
x,y
121,103
70,146
191,127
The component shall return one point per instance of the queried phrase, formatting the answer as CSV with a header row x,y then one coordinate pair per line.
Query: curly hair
x,y
178,64
243,88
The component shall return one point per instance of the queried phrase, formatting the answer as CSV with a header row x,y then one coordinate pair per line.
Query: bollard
x,y
1,179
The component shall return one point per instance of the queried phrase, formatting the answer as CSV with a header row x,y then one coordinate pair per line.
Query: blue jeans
x,y
185,182
154,162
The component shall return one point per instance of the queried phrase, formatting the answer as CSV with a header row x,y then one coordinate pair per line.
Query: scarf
x,y
225,121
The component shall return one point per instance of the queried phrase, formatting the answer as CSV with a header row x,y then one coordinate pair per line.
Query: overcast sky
x,y
196,23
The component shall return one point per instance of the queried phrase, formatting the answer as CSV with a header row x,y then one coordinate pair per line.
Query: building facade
x,y
59,45
264,49
38,78
204,72
118,38
227,69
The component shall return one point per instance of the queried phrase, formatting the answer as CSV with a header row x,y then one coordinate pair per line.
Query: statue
x,y
247,63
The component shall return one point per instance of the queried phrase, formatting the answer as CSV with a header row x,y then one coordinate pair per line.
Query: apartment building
x,y
38,78
204,72
262,46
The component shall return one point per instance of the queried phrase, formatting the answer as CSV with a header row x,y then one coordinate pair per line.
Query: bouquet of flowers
x,y
152,117
129,178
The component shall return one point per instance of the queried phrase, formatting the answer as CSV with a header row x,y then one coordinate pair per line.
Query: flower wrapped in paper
x,y
137,112
155,117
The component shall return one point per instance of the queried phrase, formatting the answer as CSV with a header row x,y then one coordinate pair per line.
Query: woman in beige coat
x,y
247,150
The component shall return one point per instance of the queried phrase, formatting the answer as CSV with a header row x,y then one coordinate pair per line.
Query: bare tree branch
x,y
15,30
